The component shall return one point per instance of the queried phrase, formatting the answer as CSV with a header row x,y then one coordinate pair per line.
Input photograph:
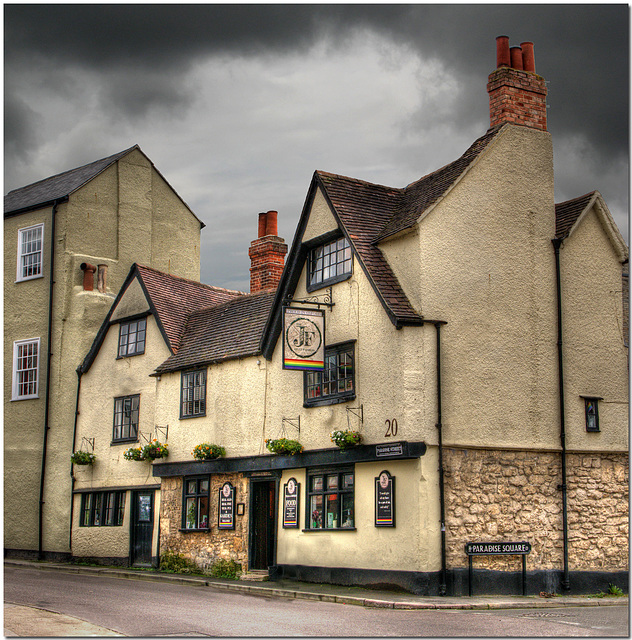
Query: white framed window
x,y
30,252
25,369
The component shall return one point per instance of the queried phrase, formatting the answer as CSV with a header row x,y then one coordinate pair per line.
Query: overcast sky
x,y
238,105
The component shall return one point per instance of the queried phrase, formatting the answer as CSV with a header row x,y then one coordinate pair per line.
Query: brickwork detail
x,y
514,496
517,97
267,257
204,547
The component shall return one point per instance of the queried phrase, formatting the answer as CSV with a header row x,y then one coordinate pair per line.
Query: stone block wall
x,y
204,547
503,495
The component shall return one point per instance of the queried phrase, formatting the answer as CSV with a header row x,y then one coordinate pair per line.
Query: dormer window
x,y
329,263
132,338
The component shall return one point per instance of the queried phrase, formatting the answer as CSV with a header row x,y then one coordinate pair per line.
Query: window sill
x,y
329,530
207,530
307,404
41,275
197,415
130,355
327,283
115,443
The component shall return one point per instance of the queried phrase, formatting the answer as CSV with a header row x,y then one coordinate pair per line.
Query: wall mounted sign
x,y
389,450
497,548
291,494
303,339
226,506
385,500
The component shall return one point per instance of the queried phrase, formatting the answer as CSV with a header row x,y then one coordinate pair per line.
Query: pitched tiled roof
x,y
222,332
371,212
175,298
59,186
566,213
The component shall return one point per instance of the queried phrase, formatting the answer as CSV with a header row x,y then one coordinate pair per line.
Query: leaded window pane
x,y
329,261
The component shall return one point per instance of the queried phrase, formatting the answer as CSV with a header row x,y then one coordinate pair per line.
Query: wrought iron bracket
x,y
293,422
89,443
358,412
315,300
162,430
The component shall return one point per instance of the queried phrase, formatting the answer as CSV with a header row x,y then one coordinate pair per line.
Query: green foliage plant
x,y
172,562
82,457
133,453
206,451
226,569
345,439
154,450
284,447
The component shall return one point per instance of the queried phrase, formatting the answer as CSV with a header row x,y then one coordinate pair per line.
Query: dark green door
x,y
142,527
262,524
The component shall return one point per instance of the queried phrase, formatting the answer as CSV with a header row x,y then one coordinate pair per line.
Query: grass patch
x,y
171,562
226,569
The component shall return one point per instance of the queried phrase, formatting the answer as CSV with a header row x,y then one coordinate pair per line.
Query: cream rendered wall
x,y
595,358
235,410
109,378
25,316
488,269
413,544
124,215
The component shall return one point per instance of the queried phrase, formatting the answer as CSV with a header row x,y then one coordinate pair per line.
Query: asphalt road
x,y
139,608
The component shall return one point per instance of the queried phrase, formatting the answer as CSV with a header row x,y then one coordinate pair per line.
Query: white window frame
x,y
40,274
15,392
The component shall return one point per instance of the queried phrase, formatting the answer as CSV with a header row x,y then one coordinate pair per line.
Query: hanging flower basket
x,y
135,453
154,450
284,447
207,451
82,457
346,439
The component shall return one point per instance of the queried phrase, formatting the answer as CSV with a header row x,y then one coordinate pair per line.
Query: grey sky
x,y
237,105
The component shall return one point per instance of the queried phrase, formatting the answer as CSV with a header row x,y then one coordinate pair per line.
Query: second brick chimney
x,y
267,255
516,93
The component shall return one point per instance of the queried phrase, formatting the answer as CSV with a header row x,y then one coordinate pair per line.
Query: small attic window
x,y
132,338
591,407
329,263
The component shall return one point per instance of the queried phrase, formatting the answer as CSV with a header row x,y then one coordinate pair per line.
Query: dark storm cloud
x,y
581,49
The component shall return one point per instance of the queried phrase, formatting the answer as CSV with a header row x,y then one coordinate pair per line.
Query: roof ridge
x,y
81,166
236,299
590,194
194,282
358,180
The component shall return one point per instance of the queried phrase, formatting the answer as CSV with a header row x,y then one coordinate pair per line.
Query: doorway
x,y
262,523
142,528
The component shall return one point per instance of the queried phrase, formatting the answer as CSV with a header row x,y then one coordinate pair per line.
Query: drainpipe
x,y
40,551
442,584
557,243
72,466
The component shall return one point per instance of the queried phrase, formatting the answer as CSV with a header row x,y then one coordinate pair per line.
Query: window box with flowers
x,y
346,439
82,458
133,453
284,447
155,450
207,451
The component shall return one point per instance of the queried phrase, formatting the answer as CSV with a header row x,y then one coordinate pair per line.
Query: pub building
x,y
391,392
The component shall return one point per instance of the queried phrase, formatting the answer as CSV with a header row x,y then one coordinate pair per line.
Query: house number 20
x,y
391,428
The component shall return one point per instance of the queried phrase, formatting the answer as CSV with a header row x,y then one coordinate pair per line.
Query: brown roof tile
x,y
224,331
566,213
175,298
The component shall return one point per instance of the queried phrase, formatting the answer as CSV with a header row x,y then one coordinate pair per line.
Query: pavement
x,y
24,621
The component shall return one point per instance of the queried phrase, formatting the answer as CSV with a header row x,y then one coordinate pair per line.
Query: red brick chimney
x,y
267,255
516,93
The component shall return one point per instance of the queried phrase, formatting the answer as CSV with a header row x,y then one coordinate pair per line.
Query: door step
x,y
255,575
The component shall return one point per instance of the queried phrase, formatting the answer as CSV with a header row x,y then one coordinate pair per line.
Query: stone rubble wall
x,y
205,547
513,496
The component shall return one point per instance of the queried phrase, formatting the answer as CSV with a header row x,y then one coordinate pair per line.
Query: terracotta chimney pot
x,y
88,276
262,224
516,58
528,57
502,51
271,223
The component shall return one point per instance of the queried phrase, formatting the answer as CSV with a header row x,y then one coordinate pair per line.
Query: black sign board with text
x,y
226,506
291,495
385,500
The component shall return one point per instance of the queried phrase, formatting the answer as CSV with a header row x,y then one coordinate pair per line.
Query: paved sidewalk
x,y
24,621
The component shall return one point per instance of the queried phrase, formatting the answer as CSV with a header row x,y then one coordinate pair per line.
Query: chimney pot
x,y
102,277
528,57
516,58
262,224
271,223
502,51
88,276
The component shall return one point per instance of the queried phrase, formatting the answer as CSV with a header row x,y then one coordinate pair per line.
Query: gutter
x,y
557,243
40,552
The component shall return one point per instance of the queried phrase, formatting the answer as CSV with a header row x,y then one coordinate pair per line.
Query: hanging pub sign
x,y
226,506
303,339
385,500
291,492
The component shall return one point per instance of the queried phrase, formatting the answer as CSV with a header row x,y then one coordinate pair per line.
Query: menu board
x,y
291,493
226,506
385,500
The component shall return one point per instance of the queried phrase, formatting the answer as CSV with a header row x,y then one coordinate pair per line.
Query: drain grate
x,y
546,614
